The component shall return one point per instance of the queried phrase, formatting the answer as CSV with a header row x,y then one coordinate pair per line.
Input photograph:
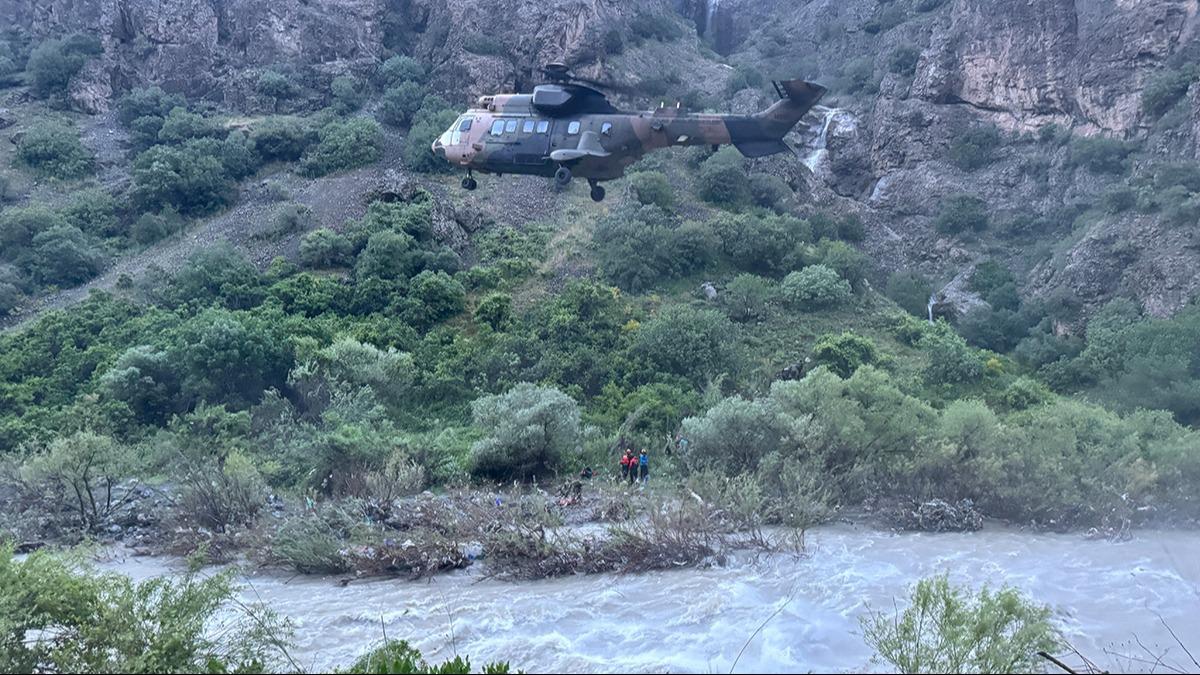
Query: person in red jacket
x,y
625,466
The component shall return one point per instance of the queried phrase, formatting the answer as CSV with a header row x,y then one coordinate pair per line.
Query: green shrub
x,y
64,256
850,263
109,623
398,657
400,69
400,103
858,76
291,218
951,359
760,243
652,187
911,291
495,309
151,227
844,354
281,139
438,296
275,85
19,225
344,145
962,213
530,431
94,211
54,150
434,117
149,102
1167,88
186,179
180,125
990,275
815,287
723,181
693,343
948,629
733,436
768,190
748,297
640,247
325,248
975,148
1101,155
346,93
53,63
1025,393
903,60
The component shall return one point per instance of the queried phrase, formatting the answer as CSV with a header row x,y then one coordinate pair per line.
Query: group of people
x,y
635,467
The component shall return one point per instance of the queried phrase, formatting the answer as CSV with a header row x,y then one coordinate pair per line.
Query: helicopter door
x,y
533,145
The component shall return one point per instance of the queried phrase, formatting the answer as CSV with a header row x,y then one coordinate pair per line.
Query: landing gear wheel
x,y
597,193
469,183
562,177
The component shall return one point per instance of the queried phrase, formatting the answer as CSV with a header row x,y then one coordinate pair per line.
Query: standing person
x,y
624,465
644,466
633,467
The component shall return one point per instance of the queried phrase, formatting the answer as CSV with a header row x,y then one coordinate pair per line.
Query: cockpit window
x,y
497,127
465,125
543,127
606,129
573,128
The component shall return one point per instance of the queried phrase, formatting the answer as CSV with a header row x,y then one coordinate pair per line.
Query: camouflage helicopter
x,y
568,128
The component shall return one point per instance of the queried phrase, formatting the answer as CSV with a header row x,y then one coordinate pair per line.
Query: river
x,y
1107,595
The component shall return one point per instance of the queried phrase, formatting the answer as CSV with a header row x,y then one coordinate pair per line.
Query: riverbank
x,y
1105,594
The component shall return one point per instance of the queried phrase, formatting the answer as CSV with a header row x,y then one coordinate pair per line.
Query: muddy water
x,y
1106,594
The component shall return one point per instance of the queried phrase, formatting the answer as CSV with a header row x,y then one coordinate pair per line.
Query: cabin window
x,y
528,127
465,125
606,129
543,127
510,127
573,128
497,127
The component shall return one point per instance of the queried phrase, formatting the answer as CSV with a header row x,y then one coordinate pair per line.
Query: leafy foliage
x,y
815,287
532,430
54,150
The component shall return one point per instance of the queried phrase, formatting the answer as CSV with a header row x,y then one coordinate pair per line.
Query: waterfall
x,y
932,302
710,13
818,148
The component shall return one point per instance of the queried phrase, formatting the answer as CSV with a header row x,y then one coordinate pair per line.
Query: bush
x,y
325,248
733,436
400,103
723,181
990,275
400,69
748,297
54,150
769,191
638,248
975,148
10,290
495,309
903,60
53,63
344,145
148,102
64,256
844,354
291,218
962,213
151,227
531,431
1165,89
439,296
276,85
84,471
815,287
434,117
347,96
185,179
850,263
1101,155
951,359
180,126
281,139
761,243
911,291
109,623
19,225
652,187
94,211
693,343
398,657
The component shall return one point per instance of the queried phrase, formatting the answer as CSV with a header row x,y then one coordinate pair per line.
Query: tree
x,y
399,69
748,297
86,470
347,96
911,291
19,225
54,150
385,256
434,117
325,248
275,85
281,139
186,179
495,309
148,381
692,343
1166,88
397,656
530,432
733,436
436,296
148,102
975,148
400,103
180,125
947,629
348,365
652,187
723,181
228,357
951,359
815,287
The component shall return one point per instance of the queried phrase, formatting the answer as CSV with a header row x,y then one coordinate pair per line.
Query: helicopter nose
x,y
438,149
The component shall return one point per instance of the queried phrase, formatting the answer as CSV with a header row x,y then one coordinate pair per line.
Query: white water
x,y
818,147
710,13
697,620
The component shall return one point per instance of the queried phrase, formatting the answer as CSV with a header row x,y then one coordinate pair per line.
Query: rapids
x,y
1107,597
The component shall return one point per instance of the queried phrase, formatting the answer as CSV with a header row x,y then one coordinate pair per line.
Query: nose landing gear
x,y
469,182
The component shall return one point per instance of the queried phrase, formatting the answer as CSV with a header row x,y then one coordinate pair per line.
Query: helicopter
x,y
568,128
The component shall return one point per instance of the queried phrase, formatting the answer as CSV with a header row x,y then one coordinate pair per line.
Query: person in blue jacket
x,y
643,466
